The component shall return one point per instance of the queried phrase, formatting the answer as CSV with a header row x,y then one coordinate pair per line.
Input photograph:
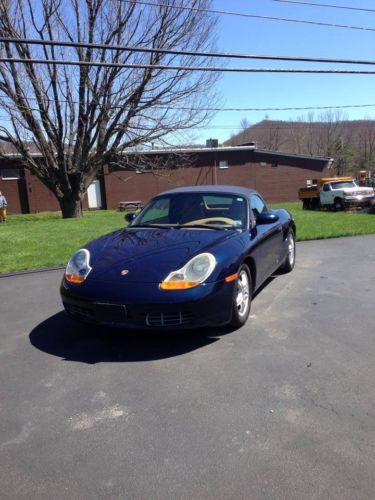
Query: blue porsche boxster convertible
x,y
193,257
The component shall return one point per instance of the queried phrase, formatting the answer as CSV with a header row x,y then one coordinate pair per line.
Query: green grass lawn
x,y
46,240
316,225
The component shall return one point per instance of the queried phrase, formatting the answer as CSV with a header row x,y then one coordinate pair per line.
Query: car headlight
x,y
197,270
78,267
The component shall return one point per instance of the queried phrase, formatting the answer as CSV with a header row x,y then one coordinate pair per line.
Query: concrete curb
x,y
32,271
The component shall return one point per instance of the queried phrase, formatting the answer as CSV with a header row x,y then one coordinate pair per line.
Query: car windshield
x,y
343,185
201,210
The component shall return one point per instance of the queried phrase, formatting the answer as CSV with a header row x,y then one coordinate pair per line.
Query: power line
x,y
311,4
276,125
227,55
252,132
254,16
305,108
253,129
186,68
187,108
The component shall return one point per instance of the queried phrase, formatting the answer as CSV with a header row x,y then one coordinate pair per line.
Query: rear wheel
x,y
289,262
241,297
315,204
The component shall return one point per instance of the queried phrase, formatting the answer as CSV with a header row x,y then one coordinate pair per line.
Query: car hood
x,y
149,255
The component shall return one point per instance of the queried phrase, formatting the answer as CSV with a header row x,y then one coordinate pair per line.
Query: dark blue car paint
x,y
150,254
208,302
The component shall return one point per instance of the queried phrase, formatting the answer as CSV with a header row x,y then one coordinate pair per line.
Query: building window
x,y
10,174
223,164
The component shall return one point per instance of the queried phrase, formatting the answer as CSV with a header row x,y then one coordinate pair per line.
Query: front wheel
x,y
339,204
241,297
289,262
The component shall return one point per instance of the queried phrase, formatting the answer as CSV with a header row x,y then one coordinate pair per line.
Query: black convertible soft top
x,y
212,189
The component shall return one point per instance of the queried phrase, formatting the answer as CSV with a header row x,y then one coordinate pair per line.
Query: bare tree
x,y
329,132
273,136
244,124
79,117
365,141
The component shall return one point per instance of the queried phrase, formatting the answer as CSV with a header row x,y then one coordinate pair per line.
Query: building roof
x,y
8,151
192,149
230,149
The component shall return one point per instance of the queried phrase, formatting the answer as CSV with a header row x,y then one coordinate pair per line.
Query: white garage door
x,y
94,195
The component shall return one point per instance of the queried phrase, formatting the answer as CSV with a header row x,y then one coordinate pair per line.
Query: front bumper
x,y
359,201
209,306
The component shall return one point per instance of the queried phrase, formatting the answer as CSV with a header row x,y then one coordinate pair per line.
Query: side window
x,y
326,187
257,205
223,164
158,212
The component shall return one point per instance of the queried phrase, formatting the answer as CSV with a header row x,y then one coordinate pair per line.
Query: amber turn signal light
x,y
232,277
178,285
73,278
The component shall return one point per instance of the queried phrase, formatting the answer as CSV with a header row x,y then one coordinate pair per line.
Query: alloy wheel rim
x,y
243,293
291,249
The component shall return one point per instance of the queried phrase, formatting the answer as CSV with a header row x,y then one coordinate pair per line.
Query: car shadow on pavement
x,y
60,336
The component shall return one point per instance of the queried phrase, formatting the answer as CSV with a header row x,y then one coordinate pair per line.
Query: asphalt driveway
x,y
280,409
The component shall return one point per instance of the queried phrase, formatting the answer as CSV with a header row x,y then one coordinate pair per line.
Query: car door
x,y
267,241
326,195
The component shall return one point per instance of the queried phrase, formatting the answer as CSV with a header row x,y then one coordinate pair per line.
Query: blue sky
x,y
256,36
245,35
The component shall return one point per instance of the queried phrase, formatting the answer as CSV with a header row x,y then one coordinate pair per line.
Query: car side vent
x,y
169,319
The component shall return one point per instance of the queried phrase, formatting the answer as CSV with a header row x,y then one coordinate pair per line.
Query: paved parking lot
x,y
280,409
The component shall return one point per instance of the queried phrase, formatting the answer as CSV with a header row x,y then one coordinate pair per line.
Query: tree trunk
x,y
71,208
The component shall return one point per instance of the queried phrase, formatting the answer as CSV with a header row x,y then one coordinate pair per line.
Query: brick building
x,y
277,176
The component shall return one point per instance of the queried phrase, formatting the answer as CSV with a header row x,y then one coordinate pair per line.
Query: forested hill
x,y
350,143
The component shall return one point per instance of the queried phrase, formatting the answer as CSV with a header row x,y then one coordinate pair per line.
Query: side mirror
x,y
267,218
129,217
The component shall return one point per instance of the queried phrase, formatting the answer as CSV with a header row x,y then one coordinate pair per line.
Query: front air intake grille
x,y
80,312
169,319
98,312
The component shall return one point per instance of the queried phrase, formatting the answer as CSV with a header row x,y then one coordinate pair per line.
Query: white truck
x,y
337,193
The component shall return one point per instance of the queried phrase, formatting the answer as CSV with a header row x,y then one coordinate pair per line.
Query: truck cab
x,y
341,194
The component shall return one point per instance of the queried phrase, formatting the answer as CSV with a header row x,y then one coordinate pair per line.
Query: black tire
x,y
339,204
315,204
290,259
241,297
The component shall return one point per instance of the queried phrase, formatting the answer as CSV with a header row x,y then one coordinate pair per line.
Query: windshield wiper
x,y
157,226
204,226
185,226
